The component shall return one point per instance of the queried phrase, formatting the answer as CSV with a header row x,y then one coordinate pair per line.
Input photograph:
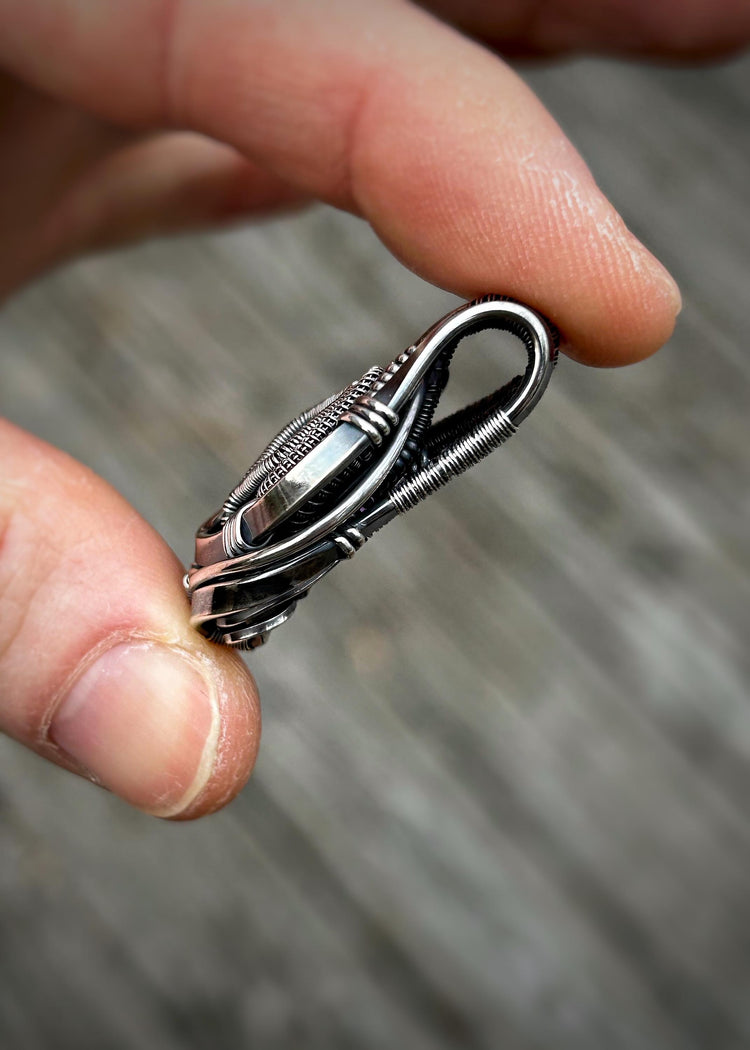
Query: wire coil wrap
x,y
464,452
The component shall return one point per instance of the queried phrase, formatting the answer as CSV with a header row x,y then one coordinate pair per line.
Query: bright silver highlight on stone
x,y
342,469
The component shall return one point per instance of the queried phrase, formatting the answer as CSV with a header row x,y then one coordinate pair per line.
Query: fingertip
x,y
173,730
626,305
492,197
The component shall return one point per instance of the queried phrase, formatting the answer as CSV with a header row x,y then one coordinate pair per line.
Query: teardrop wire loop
x,y
340,470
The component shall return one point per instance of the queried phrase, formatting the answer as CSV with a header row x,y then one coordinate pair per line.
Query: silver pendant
x,y
342,469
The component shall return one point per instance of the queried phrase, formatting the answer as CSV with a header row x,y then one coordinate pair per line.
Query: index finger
x,y
383,110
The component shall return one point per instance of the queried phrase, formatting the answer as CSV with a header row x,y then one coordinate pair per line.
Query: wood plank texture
x,y
502,799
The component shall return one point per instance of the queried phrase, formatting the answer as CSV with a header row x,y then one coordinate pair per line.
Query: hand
x,y
135,116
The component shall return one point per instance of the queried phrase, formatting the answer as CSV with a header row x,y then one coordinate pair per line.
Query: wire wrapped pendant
x,y
339,471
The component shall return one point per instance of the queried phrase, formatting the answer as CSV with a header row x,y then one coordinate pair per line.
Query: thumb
x,y
99,669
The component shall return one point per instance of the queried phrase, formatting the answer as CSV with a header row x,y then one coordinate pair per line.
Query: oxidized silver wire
x,y
343,468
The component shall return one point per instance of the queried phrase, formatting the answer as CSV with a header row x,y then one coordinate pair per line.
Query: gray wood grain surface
x,y
502,800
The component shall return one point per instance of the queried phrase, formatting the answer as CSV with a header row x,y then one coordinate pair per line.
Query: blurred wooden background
x,y
502,800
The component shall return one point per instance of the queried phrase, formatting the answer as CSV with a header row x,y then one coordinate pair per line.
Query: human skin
x,y
132,117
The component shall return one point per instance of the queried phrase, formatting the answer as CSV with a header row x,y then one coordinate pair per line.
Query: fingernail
x,y
144,720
